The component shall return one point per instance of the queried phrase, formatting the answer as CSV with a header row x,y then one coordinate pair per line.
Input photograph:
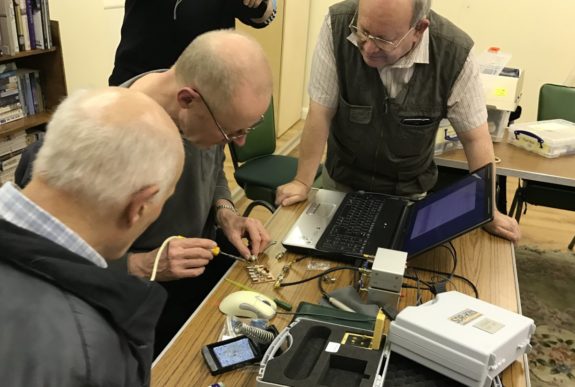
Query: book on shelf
x,y
12,115
46,24
10,163
24,25
19,29
41,20
8,92
9,101
7,108
30,91
8,167
13,143
37,20
20,93
9,80
6,67
8,28
11,84
30,19
37,95
25,91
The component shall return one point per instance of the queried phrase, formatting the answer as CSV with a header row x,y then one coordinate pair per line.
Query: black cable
x,y
439,285
319,275
301,258
321,289
417,279
471,284
453,252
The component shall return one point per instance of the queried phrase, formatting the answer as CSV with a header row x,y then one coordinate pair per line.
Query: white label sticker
x,y
465,316
488,325
332,347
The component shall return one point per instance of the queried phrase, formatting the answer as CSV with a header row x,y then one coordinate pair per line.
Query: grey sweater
x,y
189,211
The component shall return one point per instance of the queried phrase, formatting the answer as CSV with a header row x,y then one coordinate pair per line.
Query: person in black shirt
x,y
154,33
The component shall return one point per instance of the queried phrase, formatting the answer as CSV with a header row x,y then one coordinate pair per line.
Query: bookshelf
x,y
50,66
52,81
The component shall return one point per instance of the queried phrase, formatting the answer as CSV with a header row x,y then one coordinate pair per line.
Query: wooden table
x,y
488,261
518,162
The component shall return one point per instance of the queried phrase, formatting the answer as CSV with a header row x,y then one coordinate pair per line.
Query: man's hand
x,y
504,227
252,3
182,258
293,192
235,227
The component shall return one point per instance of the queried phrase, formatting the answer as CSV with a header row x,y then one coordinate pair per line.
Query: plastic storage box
x,y
550,138
493,60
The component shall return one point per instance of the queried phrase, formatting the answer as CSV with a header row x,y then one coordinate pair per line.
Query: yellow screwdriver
x,y
217,251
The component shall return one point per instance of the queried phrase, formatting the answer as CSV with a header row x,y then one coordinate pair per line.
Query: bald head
x,y
221,62
400,12
104,145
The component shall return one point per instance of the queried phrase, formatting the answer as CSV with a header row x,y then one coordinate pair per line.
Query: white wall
x,y
90,31
538,34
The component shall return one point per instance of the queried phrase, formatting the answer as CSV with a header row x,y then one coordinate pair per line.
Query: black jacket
x,y
67,322
154,33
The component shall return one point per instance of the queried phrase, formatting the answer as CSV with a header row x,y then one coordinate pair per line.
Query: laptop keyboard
x,y
353,224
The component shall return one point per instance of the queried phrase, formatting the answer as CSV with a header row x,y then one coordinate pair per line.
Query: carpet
x,y
547,288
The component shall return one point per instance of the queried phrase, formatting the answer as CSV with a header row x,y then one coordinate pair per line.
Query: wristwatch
x,y
227,207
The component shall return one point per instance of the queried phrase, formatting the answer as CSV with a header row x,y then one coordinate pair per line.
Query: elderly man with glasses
x,y
216,93
384,73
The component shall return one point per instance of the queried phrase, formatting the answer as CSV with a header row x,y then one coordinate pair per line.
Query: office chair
x,y
555,101
257,169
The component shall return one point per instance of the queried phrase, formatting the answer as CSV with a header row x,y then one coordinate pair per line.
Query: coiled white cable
x,y
159,253
258,335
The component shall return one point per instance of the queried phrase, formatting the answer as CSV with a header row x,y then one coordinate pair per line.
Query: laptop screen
x,y
451,212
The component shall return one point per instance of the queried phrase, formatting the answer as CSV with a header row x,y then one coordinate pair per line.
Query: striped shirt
x,y
466,108
17,209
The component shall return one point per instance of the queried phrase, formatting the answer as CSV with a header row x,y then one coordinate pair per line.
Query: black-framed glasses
x,y
382,44
238,133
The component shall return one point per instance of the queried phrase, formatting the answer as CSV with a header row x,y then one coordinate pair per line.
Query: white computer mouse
x,y
245,303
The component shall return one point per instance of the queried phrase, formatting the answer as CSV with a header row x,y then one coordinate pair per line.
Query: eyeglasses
x,y
238,133
382,44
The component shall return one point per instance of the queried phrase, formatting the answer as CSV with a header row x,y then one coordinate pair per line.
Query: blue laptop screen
x,y
451,212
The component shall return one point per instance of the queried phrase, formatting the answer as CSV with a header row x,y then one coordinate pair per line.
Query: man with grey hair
x,y
216,93
384,73
65,320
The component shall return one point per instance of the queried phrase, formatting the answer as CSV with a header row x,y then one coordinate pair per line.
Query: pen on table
x,y
338,304
281,303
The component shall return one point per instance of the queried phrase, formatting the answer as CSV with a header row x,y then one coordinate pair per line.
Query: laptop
x,y
346,226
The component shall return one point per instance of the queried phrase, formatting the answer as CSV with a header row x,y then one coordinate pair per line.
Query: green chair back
x,y
257,170
260,142
556,101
